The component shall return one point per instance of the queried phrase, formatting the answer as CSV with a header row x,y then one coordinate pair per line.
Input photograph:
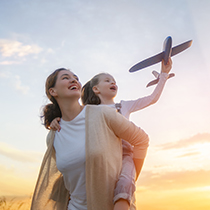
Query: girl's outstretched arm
x,y
143,102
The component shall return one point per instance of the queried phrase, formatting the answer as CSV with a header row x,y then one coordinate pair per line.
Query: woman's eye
x,y
65,78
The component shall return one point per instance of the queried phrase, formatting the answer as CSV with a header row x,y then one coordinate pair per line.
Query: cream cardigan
x,y
104,129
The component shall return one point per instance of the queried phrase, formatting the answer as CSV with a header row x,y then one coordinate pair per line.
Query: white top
x,y
69,145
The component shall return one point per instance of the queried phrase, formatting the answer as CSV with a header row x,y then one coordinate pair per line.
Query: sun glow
x,y
203,148
188,199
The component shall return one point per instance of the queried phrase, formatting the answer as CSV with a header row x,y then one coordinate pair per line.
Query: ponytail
x,y
52,110
88,96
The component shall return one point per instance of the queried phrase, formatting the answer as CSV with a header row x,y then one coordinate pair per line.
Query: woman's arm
x,y
138,165
128,131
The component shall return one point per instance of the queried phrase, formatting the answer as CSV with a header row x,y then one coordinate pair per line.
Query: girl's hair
x,y
88,96
52,110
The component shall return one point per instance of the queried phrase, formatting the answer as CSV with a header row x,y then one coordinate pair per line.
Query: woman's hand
x,y
166,68
54,125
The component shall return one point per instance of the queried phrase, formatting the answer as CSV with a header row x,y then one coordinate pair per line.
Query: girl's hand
x,y
166,68
54,125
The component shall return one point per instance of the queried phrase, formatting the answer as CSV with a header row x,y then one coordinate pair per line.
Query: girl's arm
x,y
140,103
54,125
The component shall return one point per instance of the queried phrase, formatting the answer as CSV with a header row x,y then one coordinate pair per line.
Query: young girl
x,y
83,161
102,89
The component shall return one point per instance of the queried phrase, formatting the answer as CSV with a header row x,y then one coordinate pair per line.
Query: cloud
x,y
4,75
196,139
19,155
9,62
193,199
10,48
174,180
189,154
19,87
15,81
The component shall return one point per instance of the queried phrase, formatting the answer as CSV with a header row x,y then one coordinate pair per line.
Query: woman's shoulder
x,y
103,109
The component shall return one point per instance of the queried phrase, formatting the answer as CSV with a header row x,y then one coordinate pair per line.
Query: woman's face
x,y
67,85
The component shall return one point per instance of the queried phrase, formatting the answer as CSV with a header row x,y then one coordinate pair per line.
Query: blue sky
x,y
88,37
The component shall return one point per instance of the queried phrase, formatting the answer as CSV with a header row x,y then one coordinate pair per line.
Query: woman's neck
x,y
70,110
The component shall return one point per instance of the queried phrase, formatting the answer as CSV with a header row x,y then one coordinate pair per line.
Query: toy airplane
x,y
157,75
164,55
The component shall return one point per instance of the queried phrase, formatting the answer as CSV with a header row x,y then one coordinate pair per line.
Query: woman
x,y
83,161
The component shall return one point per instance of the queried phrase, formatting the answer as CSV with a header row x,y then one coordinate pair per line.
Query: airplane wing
x,y
171,75
156,74
179,48
153,82
157,58
147,62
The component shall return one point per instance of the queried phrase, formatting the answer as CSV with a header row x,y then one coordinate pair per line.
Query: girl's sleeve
x,y
140,103
127,130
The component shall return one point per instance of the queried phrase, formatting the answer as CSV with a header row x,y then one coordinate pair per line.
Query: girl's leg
x,y
125,186
121,204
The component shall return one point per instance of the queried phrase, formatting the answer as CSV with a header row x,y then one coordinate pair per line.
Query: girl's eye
x,y
107,80
65,78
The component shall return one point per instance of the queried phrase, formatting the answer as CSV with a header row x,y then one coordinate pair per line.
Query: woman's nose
x,y
73,80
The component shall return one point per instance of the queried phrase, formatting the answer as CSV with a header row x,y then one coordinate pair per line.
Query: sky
x,y
89,37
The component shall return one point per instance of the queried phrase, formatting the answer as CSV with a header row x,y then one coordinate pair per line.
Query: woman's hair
x,y
88,96
52,110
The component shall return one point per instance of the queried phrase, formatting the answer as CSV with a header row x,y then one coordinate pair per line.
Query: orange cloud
x,y
195,199
175,190
18,155
199,138
189,154
174,180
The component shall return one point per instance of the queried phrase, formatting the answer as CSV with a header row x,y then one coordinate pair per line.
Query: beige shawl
x,y
104,129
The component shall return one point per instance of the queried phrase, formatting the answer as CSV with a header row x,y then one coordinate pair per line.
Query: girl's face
x,y
67,85
106,87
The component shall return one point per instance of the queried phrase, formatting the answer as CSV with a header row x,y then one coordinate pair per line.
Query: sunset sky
x,y
88,37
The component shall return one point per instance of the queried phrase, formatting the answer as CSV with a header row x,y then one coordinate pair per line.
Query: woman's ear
x,y
95,90
52,92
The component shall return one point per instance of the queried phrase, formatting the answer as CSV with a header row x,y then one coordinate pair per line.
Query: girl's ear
x,y
52,92
95,90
